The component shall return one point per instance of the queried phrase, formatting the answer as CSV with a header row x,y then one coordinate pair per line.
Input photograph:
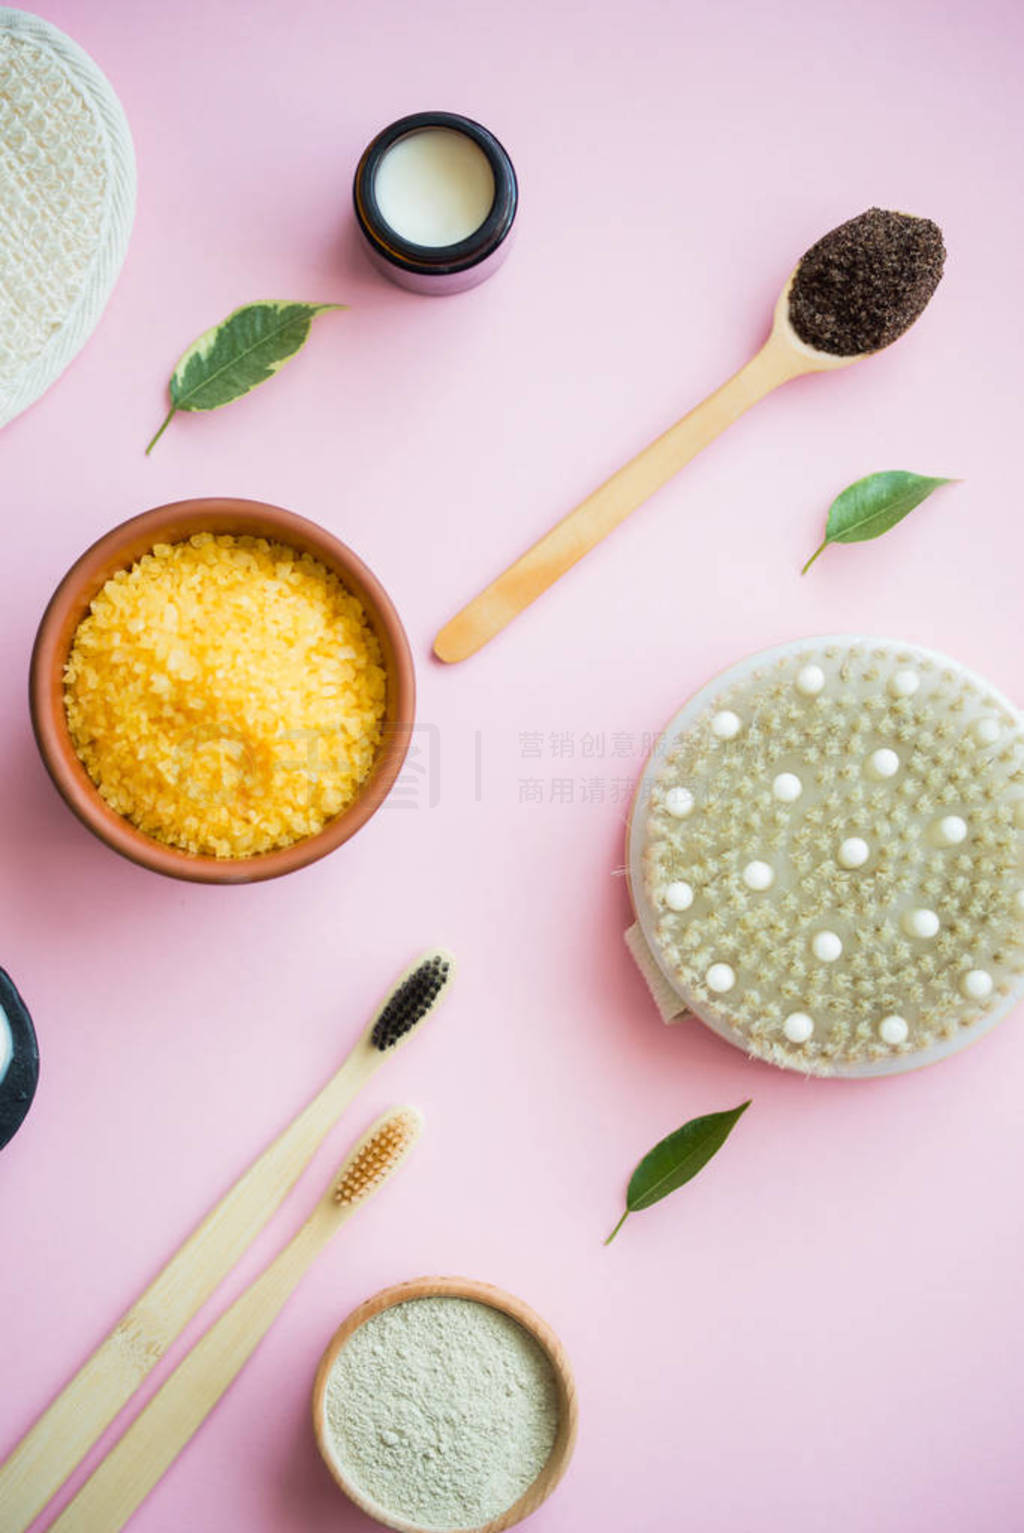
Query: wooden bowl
x,y
497,1298
118,549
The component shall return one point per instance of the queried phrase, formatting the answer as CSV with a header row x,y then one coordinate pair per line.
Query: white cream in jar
x,y
434,187
435,199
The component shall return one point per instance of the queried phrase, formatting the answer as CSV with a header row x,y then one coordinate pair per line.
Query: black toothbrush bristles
x,y
410,1001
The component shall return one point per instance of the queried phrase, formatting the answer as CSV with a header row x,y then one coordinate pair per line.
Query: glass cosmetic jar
x,y
435,198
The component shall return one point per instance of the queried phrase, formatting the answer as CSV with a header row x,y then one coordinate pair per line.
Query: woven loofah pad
x,y
827,856
67,189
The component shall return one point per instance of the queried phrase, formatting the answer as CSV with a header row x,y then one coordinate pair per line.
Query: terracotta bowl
x,y
497,1298
119,549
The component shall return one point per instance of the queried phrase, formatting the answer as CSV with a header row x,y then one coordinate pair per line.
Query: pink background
x,y
824,1329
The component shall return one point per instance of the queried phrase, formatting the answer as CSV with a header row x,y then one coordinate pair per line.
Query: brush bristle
x,y
410,1001
836,839
379,1155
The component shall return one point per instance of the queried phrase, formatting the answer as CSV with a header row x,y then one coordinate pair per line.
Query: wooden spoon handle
x,y
601,512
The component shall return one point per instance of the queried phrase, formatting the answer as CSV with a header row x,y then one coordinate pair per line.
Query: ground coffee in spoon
x,y
866,282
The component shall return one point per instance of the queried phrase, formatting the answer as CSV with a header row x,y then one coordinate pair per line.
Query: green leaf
x,y
244,350
676,1159
871,506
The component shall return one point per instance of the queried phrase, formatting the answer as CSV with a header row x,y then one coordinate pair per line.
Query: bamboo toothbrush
x,y
153,1441
62,1436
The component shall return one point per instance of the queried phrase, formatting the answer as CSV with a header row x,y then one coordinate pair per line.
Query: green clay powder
x,y
442,1411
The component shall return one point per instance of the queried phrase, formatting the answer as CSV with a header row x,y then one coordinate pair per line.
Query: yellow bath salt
x,y
226,694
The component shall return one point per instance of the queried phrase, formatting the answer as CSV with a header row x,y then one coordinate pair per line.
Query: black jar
x,y
449,267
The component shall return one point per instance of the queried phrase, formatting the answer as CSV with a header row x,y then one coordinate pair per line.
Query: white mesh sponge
x,y
67,191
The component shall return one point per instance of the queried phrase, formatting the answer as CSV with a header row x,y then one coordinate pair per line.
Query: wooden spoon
x,y
783,356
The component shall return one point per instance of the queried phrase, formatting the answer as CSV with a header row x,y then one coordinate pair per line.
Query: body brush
x,y
826,857
66,1431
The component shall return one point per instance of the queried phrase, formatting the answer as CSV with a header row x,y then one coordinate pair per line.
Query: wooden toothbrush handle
x,y
602,511
153,1441
48,1453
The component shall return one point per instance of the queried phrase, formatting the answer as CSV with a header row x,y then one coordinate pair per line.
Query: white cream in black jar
x,y
435,198
19,1059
